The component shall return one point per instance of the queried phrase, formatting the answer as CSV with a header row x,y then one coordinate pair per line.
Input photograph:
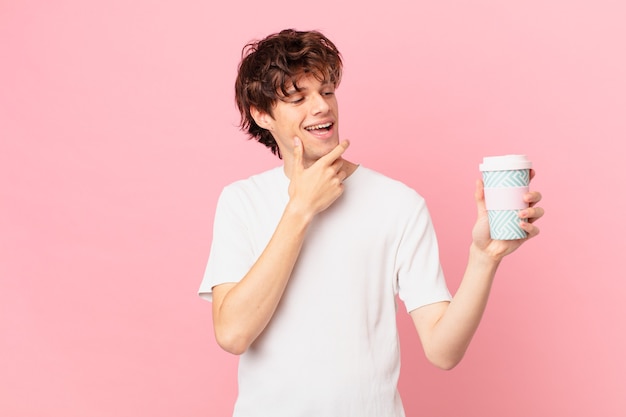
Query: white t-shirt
x,y
332,348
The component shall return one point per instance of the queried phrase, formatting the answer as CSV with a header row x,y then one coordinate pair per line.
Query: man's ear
x,y
261,118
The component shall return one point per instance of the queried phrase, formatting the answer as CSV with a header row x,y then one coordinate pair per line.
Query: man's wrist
x,y
485,256
299,212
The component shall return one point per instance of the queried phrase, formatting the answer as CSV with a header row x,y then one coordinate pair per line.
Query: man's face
x,y
310,114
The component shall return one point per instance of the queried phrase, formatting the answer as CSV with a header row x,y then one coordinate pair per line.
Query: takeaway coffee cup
x,y
506,181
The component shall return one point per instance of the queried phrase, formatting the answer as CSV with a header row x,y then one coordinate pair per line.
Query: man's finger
x,y
532,197
336,153
298,152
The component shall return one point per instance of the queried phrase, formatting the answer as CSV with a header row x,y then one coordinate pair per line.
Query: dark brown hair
x,y
272,65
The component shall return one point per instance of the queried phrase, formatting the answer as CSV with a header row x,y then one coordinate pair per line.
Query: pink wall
x,y
118,130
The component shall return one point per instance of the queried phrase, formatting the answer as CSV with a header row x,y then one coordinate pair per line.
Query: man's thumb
x,y
479,197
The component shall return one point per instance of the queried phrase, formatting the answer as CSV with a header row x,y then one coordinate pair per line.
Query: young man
x,y
307,258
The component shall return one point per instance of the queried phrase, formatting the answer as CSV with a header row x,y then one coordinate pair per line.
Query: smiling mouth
x,y
323,127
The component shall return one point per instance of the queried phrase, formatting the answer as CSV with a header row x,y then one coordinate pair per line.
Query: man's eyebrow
x,y
296,89
293,90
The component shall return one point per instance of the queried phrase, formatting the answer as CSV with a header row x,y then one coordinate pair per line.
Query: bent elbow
x,y
235,349
446,365
444,362
231,343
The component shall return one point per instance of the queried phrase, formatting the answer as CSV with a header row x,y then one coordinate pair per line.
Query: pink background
x,y
118,131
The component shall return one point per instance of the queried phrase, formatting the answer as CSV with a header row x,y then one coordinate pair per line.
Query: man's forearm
x,y
453,332
242,312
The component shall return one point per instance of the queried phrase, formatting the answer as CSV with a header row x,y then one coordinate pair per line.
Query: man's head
x,y
270,70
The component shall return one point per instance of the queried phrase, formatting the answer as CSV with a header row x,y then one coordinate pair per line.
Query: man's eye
x,y
328,93
296,100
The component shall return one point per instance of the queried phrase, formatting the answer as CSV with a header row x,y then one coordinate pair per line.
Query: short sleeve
x,y
419,273
231,255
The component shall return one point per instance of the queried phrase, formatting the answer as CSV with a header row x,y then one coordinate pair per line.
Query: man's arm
x,y
242,310
446,328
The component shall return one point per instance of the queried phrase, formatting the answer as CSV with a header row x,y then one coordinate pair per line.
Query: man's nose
x,y
319,104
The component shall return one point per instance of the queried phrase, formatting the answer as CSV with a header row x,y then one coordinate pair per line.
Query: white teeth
x,y
322,126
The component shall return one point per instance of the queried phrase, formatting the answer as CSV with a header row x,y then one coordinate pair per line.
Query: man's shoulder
x,y
271,184
383,195
268,178
379,181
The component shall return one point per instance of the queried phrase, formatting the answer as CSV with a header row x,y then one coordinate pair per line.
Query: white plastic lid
x,y
505,163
